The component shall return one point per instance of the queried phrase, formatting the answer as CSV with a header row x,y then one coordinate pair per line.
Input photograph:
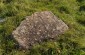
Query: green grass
x,y
72,12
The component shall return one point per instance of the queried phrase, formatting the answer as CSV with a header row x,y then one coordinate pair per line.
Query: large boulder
x,y
38,27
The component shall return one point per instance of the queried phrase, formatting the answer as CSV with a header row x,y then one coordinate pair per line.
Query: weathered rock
x,y
38,27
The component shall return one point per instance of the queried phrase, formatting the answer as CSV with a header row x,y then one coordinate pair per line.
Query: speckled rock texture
x,y
38,27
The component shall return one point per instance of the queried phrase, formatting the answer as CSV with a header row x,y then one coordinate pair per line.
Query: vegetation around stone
x,y
72,12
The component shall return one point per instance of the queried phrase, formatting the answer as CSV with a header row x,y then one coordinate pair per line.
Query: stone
x,y
2,20
37,28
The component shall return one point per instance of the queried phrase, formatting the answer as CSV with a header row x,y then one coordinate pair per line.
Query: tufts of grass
x,y
70,11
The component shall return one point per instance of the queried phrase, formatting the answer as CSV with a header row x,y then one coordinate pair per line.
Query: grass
x,y
72,12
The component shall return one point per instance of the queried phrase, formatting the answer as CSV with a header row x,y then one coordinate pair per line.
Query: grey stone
x,y
2,20
38,27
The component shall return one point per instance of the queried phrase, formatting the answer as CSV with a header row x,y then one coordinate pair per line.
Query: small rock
x,y
39,26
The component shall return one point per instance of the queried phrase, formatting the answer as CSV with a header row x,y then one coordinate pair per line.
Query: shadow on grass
x,y
82,8
64,9
82,22
80,0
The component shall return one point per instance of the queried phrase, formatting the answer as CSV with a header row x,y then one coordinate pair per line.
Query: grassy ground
x,y
72,12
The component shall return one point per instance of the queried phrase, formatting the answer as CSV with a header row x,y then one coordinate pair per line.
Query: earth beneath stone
x,y
38,27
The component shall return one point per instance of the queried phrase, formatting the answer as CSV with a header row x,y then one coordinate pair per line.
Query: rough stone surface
x,y
38,27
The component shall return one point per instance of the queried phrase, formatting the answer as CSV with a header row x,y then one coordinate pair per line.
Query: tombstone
x,y
38,27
